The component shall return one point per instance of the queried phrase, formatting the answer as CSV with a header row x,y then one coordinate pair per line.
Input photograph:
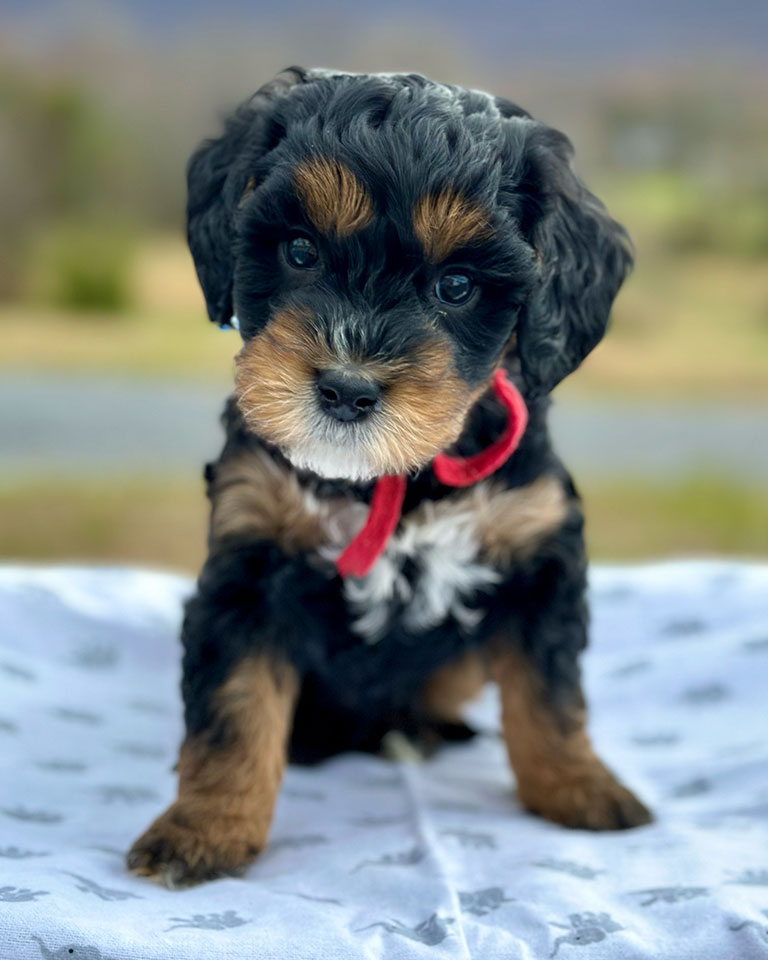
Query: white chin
x,y
333,462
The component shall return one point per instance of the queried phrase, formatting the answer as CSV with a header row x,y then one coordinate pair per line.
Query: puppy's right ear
x,y
218,174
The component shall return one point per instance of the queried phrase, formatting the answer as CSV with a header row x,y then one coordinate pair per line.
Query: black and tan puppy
x,y
387,244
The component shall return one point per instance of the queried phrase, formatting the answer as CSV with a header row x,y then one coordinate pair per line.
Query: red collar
x,y
389,492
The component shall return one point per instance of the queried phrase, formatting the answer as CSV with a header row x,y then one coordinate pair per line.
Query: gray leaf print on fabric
x,y
96,656
756,646
710,693
693,788
585,928
20,894
117,851
456,806
669,894
32,816
150,706
752,878
482,902
471,839
580,870
141,750
301,794
390,782
103,893
655,739
631,669
113,794
684,628
407,859
306,896
614,594
761,928
7,726
371,820
724,581
62,766
430,932
759,809
209,921
17,672
79,716
739,749
14,853
309,840
70,952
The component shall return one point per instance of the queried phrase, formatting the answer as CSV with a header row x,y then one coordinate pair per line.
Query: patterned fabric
x,y
374,859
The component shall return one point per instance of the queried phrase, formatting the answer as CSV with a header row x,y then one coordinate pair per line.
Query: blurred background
x,y
111,378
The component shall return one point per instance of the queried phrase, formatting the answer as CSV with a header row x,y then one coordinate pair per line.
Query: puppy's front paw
x,y
593,799
192,842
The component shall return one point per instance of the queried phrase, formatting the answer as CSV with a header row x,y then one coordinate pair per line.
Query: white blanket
x,y
374,859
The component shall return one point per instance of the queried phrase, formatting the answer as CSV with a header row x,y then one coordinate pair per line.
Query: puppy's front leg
x,y
558,774
239,698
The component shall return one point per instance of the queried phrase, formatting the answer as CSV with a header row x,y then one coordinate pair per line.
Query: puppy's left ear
x,y
218,174
583,255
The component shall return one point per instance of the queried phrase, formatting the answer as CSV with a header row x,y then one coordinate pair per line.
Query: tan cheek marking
x,y
334,199
252,495
273,379
512,523
445,222
425,407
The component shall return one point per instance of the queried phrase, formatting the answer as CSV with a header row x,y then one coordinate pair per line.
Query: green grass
x,y
161,521
696,514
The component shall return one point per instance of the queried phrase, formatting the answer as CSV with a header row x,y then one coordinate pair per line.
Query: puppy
x,y
412,267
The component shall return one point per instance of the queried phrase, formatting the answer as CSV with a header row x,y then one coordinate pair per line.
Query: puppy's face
x,y
373,309
382,251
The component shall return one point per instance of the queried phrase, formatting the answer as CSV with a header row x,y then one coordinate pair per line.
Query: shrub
x,y
83,268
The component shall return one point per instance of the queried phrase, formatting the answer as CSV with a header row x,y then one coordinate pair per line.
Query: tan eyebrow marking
x,y
445,221
333,197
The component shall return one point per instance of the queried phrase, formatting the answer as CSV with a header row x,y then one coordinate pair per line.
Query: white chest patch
x,y
444,554
440,550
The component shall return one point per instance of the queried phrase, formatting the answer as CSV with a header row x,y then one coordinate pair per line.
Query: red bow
x,y
389,492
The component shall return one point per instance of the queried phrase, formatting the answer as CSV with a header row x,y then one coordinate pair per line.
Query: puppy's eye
x,y
454,288
301,253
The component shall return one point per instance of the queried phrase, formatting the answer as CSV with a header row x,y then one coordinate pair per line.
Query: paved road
x,y
63,425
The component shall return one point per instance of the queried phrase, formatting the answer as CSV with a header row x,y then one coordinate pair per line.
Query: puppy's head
x,y
386,242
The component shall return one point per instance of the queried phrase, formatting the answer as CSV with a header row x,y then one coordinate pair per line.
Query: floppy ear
x,y
583,255
218,173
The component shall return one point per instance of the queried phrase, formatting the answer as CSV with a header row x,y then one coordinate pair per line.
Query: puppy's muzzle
x,y
346,396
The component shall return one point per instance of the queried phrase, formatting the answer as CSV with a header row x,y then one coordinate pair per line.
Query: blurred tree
x,y
65,194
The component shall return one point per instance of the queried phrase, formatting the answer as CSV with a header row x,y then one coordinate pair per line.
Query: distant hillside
x,y
597,30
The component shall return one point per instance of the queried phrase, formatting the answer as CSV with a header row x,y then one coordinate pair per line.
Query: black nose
x,y
347,397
